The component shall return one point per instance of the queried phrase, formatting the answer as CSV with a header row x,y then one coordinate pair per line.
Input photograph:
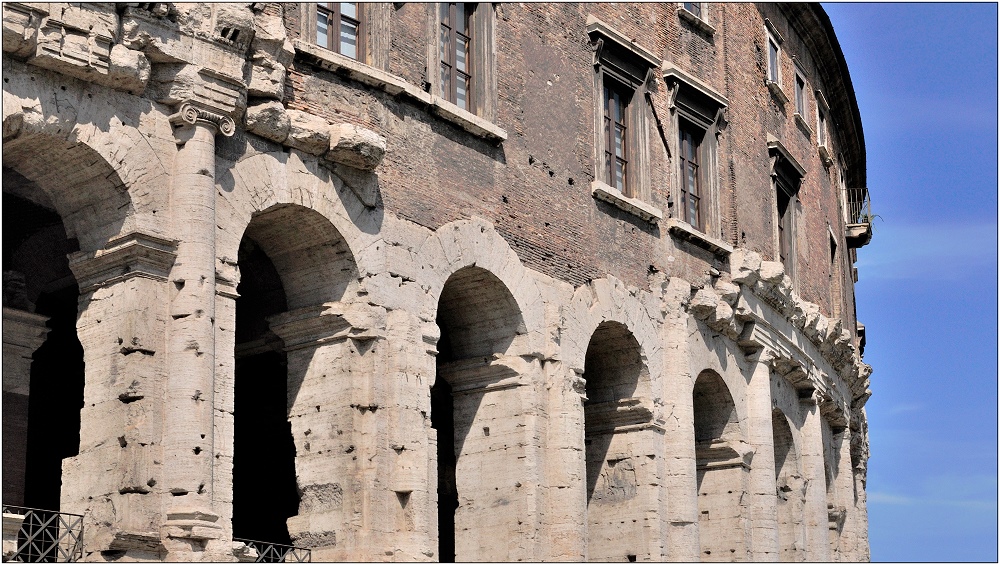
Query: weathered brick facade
x,y
488,351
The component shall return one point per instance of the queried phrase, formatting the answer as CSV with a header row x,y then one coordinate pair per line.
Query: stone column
x,y
188,438
763,502
23,333
816,518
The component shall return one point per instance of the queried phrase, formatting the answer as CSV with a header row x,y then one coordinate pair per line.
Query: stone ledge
x,y
396,86
613,196
685,231
775,89
803,125
696,21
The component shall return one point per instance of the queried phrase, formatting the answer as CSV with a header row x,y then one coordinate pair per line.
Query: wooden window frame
x,y
333,13
800,94
481,59
690,157
450,37
786,179
616,119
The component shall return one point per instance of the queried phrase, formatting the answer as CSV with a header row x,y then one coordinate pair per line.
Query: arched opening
x,y
474,408
620,449
722,471
293,264
43,358
264,490
790,489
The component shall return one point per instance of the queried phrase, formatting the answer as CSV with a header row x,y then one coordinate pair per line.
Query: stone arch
x,y
621,446
723,459
475,243
790,489
608,299
261,182
477,408
118,166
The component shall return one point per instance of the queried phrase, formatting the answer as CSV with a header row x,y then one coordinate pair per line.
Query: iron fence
x,y
859,206
278,553
47,536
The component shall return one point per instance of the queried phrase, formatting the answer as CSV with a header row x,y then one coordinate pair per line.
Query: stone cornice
x,y
129,256
313,326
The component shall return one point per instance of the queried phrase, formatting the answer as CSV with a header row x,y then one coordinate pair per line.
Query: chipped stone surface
x,y
696,414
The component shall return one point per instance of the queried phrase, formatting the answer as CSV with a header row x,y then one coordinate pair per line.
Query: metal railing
x,y
277,553
859,206
47,536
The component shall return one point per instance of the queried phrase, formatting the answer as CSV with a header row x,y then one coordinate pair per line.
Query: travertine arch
x,y
608,299
267,181
474,243
119,150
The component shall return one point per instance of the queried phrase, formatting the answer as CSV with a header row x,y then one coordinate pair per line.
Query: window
x,y
772,61
690,155
616,146
693,7
462,57
455,44
338,27
822,110
621,69
696,14
698,116
800,98
786,177
821,127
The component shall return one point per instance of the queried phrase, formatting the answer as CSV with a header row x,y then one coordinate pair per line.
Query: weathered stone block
x,y
355,146
268,120
308,133
771,271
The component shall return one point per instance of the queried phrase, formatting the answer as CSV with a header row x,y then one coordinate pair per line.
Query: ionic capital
x,y
190,112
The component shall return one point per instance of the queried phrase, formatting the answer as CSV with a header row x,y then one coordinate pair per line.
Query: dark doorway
x,y
264,489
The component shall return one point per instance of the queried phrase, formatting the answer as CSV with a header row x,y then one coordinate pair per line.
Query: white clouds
x,y
937,251
903,408
973,492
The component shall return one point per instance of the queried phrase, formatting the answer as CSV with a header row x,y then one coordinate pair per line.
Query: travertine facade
x,y
598,305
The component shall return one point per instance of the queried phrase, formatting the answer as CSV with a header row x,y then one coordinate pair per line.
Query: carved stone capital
x,y
190,112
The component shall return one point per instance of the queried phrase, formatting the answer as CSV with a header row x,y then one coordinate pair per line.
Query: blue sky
x,y
925,76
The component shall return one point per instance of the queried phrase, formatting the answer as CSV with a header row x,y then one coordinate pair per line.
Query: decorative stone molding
x,y
23,333
191,112
683,230
331,322
132,255
613,196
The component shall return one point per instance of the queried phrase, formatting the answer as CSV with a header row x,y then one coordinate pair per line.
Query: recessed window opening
x,y
456,53
691,184
616,101
820,127
772,61
338,28
800,88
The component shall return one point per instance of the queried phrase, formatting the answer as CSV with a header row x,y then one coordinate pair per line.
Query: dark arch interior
x,y
43,428
714,410
784,445
477,317
265,494
613,371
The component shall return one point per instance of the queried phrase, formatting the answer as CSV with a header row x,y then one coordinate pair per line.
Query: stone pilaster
x,y
566,468
763,502
188,432
816,517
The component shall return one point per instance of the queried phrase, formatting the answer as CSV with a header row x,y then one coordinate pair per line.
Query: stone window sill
x,y
694,20
685,231
396,86
613,196
824,153
803,124
777,92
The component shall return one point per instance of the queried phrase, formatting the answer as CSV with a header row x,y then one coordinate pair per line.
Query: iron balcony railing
x,y
46,536
277,553
859,206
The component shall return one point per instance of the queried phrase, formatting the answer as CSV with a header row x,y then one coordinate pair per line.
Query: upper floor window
x,y
690,158
820,127
338,28
455,48
698,114
693,7
616,145
786,178
772,61
800,94
621,69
